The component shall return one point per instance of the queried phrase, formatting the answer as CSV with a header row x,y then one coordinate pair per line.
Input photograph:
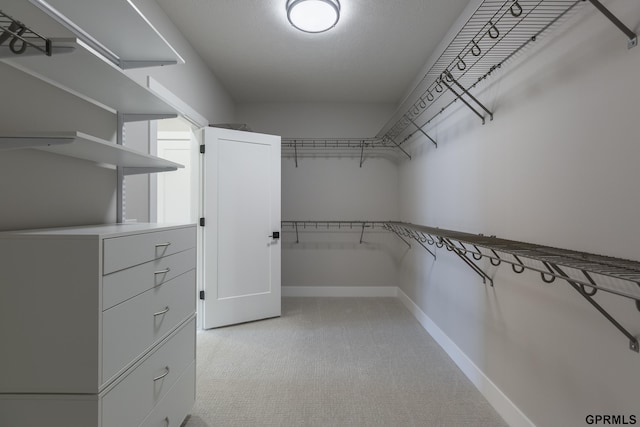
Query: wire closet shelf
x,y
358,147
585,272
496,32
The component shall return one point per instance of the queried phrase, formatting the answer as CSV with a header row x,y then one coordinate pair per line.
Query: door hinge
x,y
202,149
202,295
201,222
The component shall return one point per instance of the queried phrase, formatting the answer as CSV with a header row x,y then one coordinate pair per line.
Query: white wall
x,y
193,82
39,189
333,188
557,166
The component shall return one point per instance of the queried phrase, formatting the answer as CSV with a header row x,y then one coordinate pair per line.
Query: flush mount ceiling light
x,y
313,16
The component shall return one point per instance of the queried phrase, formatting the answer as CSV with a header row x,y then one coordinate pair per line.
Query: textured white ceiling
x,y
372,55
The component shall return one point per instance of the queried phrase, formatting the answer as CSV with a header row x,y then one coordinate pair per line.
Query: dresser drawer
x,y
130,328
124,284
126,251
132,399
177,404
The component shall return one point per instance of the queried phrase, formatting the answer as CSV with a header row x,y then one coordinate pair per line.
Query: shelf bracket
x,y
448,78
297,236
295,150
362,233
633,341
426,248
120,215
361,157
463,256
399,147
423,132
633,37
398,234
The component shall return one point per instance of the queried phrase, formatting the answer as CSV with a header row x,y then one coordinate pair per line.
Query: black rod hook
x,y
477,256
439,87
475,49
6,34
17,38
543,276
516,9
461,64
493,31
515,268
495,262
593,290
463,248
429,96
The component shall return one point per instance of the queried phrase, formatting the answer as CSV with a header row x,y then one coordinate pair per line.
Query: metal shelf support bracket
x,y
399,147
633,37
633,341
463,256
423,132
448,78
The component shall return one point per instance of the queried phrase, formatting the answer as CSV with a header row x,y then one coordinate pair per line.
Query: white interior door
x,y
242,211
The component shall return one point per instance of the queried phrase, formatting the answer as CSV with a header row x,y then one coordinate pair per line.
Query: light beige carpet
x,y
333,362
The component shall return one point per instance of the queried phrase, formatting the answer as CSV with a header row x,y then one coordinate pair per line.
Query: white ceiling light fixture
x,y
313,16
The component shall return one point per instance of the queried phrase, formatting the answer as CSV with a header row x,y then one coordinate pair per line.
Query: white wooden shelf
x,y
88,75
115,25
87,147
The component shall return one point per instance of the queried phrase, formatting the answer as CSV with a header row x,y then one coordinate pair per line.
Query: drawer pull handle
x,y
165,271
163,245
160,313
159,377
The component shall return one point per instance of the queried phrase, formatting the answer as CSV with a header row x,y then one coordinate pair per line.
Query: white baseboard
x,y
501,403
340,291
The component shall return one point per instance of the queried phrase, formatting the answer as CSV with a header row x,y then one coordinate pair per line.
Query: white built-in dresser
x,y
97,326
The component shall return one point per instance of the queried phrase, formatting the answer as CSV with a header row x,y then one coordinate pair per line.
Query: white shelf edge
x,y
17,142
101,82
94,21
86,147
